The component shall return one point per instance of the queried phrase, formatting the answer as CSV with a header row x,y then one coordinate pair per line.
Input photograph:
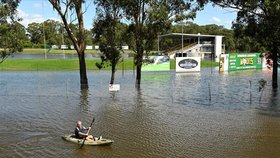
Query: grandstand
x,y
208,47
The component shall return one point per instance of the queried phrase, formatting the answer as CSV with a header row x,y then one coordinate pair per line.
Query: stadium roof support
x,y
186,35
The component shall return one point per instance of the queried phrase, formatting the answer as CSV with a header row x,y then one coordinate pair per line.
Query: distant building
x,y
96,47
54,46
195,45
89,47
64,47
125,47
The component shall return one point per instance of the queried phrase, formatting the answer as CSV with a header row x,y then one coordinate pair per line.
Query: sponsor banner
x,y
187,64
244,61
156,63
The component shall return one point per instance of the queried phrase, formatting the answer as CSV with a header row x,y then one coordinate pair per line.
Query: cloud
x,y
37,5
41,5
38,16
220,21
22,14
29,18
215,20
227,22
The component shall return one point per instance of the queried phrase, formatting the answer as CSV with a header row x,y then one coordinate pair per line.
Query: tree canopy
x,y
11,37
148,19
108,32
258,20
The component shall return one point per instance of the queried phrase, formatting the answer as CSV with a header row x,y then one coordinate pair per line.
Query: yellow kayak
x,y
97,141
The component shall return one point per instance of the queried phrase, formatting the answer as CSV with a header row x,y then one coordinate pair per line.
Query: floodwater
x,y
173,115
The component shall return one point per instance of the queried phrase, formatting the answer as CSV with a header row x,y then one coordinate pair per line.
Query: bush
x,y
27,44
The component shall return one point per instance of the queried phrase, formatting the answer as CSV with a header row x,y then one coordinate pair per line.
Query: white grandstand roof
x,y
186,35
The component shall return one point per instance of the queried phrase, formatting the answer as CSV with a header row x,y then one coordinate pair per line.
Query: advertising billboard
x,y
187,64
157,63
244,61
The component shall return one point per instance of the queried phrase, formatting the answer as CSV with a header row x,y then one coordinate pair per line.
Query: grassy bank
x,y
70,64
58,51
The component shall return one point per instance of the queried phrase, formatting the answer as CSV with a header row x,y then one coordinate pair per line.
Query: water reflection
x,y
84,102
272,107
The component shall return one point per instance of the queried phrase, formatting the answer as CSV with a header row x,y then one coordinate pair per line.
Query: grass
x,y
56,64
58,51
71,64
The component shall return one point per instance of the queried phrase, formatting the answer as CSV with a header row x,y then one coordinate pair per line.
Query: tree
x,y
52,30
149,18
75,7
107,32
260,20
35,31
10,38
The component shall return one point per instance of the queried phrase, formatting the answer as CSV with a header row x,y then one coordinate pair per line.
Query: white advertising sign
x,y
188,64
114,87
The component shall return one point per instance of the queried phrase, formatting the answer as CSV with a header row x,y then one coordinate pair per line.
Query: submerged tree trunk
x,y
275,69
138,76
113,74
83,72
139,61
78,40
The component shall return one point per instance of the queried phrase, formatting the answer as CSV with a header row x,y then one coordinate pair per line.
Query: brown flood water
x,y
171,116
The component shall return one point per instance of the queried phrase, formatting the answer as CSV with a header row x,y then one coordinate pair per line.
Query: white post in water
x,y
218,47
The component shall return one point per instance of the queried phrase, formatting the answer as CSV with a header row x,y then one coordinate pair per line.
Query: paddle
x,y
87,132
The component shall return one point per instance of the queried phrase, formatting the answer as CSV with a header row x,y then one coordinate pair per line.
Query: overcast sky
x,y
40,10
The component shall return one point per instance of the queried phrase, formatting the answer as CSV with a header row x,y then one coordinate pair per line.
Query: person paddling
x,y
81,132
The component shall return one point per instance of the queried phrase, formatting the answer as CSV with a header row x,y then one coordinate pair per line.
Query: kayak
x,y
97,141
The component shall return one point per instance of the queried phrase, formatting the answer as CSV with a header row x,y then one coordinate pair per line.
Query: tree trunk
x,y
275,69
113,74
83,71
139,61
138,76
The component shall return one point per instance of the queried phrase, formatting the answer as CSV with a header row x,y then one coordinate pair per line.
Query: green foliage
x,y
11,32
35,31
8,10
108,33
54,33
148,19
259,20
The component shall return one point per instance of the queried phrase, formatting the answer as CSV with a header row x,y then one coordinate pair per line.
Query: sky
x,y
41,10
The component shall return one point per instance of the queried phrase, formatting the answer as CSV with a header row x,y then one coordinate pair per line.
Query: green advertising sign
x,y
157,63
244,61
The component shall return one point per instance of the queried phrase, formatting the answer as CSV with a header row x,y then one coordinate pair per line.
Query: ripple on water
x,y
171,116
